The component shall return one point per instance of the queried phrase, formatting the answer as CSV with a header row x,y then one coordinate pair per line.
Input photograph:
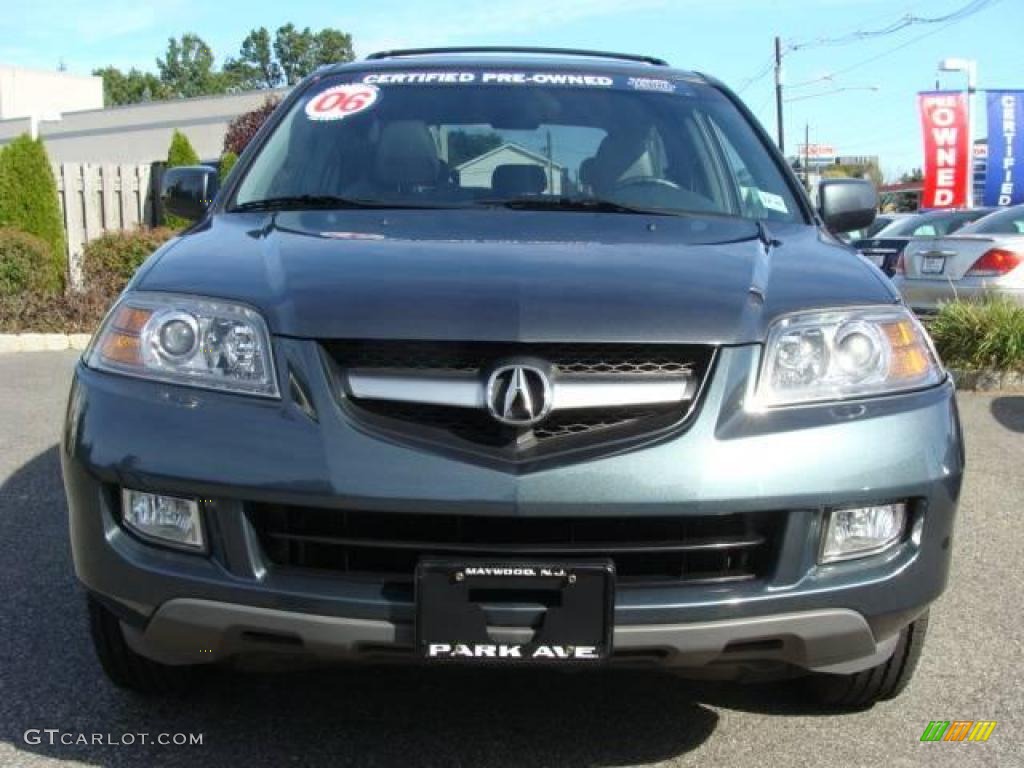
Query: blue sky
x,y
731,39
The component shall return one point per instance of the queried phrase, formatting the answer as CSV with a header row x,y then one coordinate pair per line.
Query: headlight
x,y
862,531
839,354
187,340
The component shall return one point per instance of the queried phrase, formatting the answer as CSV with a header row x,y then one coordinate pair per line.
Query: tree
x,y
871,172
187,68
332,47
131,88
463,146
241,130
179,153
255,66
301,52
28,201
909,201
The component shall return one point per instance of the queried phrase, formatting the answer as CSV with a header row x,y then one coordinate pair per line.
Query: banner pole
x,y
972,89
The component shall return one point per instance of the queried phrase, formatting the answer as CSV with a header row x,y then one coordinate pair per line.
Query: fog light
x,y
164,519
862,531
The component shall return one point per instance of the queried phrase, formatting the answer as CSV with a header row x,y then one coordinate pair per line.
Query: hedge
x,y
979,335
28,201
108,264
22,264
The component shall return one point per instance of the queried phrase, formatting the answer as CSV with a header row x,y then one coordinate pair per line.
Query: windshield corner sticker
x,y
651,84
342,101
772,201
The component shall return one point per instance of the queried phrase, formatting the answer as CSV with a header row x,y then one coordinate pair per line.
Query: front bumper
x,y
234,451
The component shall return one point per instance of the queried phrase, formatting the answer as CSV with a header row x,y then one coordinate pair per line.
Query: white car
x,y
983,258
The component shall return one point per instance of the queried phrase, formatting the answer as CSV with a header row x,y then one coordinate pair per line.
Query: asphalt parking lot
x,y
972,668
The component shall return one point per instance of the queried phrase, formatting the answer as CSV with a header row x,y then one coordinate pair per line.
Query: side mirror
x,y
188,190
847,204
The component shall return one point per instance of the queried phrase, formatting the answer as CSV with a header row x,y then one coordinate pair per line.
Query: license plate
x,y
565,611
933,265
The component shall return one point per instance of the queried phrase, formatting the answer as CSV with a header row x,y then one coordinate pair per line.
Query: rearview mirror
x,y
188,190
847,204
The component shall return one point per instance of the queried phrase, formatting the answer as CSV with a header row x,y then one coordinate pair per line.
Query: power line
x,y
759,75
905,21
905,44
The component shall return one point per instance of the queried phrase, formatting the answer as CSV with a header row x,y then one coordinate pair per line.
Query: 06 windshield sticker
x,y
341,101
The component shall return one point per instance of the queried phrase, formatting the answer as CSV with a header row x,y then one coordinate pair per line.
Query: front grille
x,y
386,546
475,356
477,431
477,427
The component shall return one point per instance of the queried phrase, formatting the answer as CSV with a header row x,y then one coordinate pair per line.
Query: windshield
x,y
546,140
1008,222
929,224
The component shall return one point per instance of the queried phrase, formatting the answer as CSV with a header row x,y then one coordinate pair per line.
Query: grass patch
x,y
977,335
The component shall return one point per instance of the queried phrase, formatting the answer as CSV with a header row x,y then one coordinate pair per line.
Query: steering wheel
x,y
646,181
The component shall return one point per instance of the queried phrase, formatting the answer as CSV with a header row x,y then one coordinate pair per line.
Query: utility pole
x,y
551,164
778,94
807,157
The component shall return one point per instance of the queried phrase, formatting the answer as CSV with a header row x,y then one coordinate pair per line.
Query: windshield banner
x,y
1004,177
946,159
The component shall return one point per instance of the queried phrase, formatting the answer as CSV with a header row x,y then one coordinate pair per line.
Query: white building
x,y
138,133
479,171
45,94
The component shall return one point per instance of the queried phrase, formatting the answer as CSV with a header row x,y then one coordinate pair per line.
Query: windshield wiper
x,y
586,204
325,202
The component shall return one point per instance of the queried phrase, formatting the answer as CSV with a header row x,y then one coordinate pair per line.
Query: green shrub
x,y
973,335
181,152
227,162
24,265
28,201
108,262
178,154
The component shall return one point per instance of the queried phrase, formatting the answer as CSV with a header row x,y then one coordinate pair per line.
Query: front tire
x,y
886,681
127,669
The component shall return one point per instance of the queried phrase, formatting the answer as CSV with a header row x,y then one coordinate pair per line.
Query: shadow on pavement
x,y
378,716
1009,411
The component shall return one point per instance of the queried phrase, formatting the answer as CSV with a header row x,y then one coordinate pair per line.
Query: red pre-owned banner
x,y
947,169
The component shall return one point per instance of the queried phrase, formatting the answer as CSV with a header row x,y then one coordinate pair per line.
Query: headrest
x,y
587,171
512,180
406,154
616,155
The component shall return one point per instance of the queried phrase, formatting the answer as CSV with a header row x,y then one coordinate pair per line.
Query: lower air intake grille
x,y
386,546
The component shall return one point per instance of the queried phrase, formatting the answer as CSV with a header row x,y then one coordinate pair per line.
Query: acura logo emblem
x,y
519,394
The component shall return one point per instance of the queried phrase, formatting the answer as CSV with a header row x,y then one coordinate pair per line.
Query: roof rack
x,y
397,53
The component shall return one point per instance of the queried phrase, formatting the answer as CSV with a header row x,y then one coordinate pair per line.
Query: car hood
x,y
499,275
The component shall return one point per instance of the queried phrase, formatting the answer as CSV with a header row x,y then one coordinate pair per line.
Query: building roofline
x,y
510,145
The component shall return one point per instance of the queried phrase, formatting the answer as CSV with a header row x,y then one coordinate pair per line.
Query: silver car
x,y
983,258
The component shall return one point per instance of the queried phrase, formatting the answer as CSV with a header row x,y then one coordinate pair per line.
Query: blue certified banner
x,y
1004,179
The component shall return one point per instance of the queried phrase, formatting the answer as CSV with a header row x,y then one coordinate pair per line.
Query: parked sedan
x,y
885,247
881,221
983,258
